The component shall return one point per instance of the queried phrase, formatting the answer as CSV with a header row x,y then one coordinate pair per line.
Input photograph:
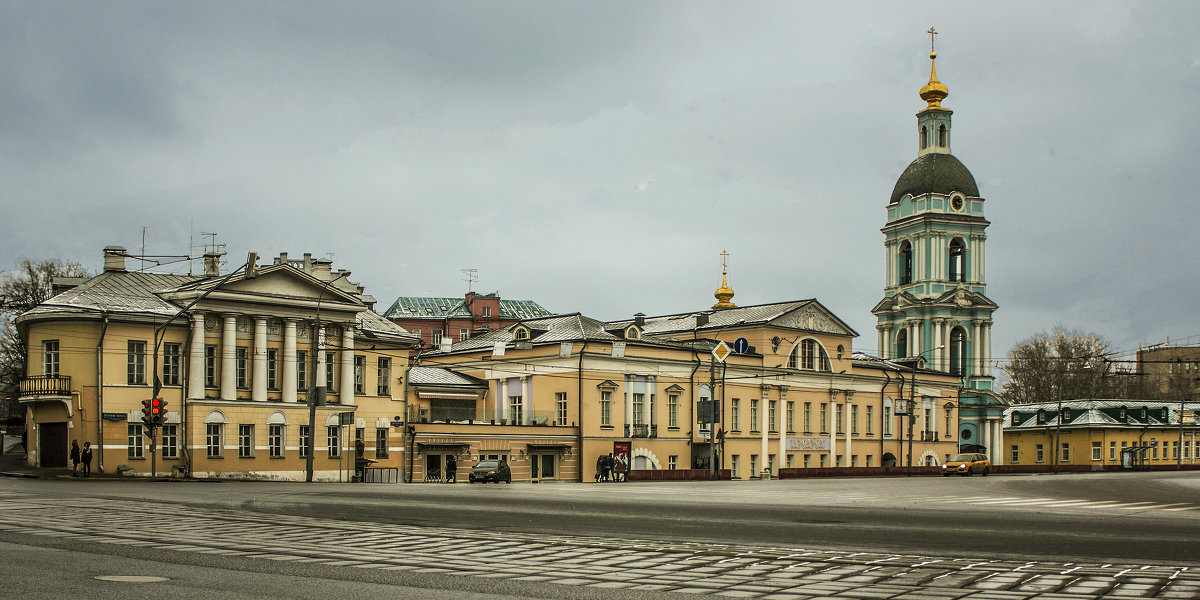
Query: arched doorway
x,y
889,460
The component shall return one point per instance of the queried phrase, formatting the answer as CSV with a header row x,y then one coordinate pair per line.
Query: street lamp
x,y
912,403
317,395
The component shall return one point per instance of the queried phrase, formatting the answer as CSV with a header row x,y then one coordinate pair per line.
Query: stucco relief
x,y
211,322
811,319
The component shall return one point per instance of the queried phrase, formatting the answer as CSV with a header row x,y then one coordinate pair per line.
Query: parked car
x,y
490,470
966,464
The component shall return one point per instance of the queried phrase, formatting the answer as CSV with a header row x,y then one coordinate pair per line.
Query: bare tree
x,y
20,290
1062,365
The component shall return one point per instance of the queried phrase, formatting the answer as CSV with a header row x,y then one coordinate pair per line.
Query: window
x,y
824,418
791,417
807,461
136,372
170,442
790,461
1112,451
241,360
753,465
272,368
245,441
870,420
854,419
135,441
50,358
606,409
275,440
360,374
514,409
302,370
808,417
902,343
809,355
1016,453
905,263
958,354
754,415
771,464
839,411
869,462
171,357
417,332
824,460
333,438
957,255
1097,451
672,462
384,377
854,460
1066,453
949,421
486,312
210,365
924,137
560,407
735,414
330,363
1039,454
381,442
887,418
771,412
464,334
639,409
673,411
735,462
305,440
214,439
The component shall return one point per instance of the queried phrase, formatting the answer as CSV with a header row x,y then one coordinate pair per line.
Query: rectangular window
x,y
869,462
771,464
772,407
135,441
170,442
172,357
464,334
887,420
1039,454
639,409
870,420
416,332
381,442
330,370
854,460
753,418
672,462
853,419
383,380
791,418
486,312
245,441
210,365
275,440
606,409
560,407
1112,451
807,461
1097,451
673,411
1066,453
949,422
808,417
241,363
302,382
735,414
1175,450
136,371
824,418
840,414
790,461
272,368
514,410
333,438
735,464
1015,454
214,439
435,336
50,358
824,460
360,374
305,440
753,465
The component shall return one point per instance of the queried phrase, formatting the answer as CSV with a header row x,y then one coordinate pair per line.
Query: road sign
x,y
741,345
721,352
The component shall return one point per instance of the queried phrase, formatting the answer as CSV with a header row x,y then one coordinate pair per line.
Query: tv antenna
x,y
472,277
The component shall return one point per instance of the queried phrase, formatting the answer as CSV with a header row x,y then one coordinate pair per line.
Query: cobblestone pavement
x,y
685,568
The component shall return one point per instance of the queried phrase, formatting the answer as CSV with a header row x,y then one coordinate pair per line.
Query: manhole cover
x,y
131,578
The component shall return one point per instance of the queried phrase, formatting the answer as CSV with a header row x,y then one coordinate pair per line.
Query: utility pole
x,y
317,396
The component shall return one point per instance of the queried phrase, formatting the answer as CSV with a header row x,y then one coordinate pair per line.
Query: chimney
x,y
114,259
639,319
322,268
212,264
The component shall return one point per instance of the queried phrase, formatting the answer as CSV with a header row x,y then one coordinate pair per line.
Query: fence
x,y
381,475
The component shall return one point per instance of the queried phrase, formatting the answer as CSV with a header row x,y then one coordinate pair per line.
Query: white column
x,y
765,392
289,383
889,264
502,399
229,358
526,400
783,422
998,433
319,349
847,414
982,267
258,381
196,358
346,390
832,424
985,437
912,338
978,325
986,330
936,357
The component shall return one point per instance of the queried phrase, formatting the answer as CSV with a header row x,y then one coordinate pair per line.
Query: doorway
x,y
52,445
542,466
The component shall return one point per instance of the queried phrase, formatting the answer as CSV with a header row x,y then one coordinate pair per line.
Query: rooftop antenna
x,y
472,277
142,266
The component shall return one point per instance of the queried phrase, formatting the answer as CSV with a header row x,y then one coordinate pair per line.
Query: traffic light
x,y
147,419
158,411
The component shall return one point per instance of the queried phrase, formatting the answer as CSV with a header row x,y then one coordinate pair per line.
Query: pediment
x,y
813,317
277,284
961,298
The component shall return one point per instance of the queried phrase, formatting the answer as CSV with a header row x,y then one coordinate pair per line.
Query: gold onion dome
x,y
724,293
934,92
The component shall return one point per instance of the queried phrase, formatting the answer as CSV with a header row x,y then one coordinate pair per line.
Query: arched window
x,y
957,260
905,260
958,354
902,343
924,137
809,355
942,136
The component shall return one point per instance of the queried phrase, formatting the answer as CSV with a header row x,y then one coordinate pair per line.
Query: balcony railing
x,y
45,385
641,431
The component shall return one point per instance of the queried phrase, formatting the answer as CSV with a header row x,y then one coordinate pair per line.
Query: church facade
x,y
935,308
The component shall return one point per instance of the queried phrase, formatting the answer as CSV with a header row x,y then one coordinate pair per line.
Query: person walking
x,y
74,458
451,469
85,457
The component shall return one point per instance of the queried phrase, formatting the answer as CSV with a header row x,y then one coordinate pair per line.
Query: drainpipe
x,y
183,411
100,393
882,396
579,413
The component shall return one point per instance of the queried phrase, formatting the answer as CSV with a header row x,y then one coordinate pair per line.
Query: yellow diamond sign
x,y
721,352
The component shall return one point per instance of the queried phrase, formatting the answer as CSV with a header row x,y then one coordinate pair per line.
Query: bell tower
x,y
934,304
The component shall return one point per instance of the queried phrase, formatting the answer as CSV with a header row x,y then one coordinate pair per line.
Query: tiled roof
x,y
742,316
572,327
442,377
417,307
1096,413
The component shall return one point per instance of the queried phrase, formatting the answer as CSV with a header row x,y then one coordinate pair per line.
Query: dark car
x,y
490,470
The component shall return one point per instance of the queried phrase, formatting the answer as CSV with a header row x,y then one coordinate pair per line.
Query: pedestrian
x,y
86,458
599,467
608,463
619,468
74,458
451,469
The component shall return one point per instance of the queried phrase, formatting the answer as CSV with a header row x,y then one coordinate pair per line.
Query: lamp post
x,y
912,402
317,395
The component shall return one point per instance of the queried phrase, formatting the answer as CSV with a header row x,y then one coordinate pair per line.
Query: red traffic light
x,y
156,407
146,407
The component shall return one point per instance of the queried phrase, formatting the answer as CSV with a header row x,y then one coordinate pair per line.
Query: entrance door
x,y
433,467
542,465
52,445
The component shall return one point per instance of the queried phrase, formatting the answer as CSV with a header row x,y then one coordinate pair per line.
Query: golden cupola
x,y
724,293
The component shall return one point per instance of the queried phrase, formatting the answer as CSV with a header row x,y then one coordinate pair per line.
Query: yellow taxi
x,y
967,464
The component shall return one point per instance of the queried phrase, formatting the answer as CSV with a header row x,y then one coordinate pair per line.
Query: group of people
x,y
611,468
81,458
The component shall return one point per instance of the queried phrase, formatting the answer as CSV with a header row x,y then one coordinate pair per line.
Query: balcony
x,y
641,431
40,386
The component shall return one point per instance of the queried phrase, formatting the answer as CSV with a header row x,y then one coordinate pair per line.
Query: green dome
x,y
936,173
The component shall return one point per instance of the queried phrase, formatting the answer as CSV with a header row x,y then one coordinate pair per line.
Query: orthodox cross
x,y
724,263
932,32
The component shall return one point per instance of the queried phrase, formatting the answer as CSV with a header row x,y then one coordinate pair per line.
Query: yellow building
x,y
236,356
1103,434
551,395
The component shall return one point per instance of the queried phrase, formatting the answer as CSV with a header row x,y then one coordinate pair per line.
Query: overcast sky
x,y
598,157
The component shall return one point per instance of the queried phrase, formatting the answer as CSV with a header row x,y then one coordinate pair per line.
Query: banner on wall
x,y
621,455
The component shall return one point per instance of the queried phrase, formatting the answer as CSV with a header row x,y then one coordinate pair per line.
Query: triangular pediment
x,y
812,316
963,298
277,284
